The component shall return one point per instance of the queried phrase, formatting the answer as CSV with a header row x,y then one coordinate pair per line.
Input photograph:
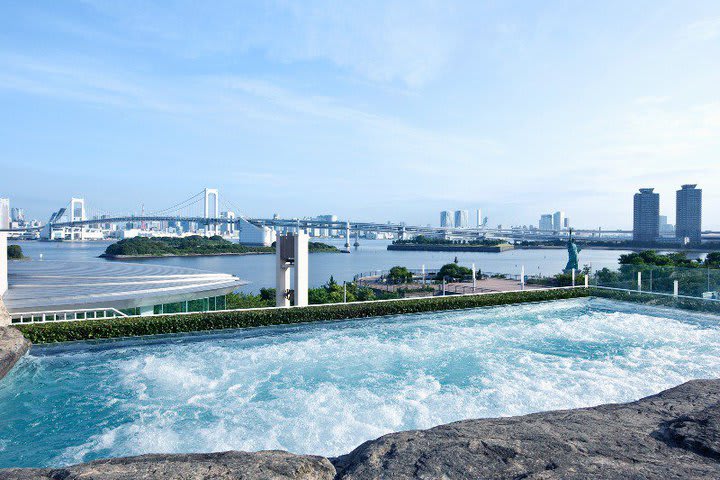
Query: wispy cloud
x,y
409,42
702,30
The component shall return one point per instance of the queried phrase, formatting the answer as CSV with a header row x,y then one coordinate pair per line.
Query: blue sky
x,y
370,110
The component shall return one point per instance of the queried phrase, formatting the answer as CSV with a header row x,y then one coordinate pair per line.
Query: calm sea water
x,y
325,388
371,255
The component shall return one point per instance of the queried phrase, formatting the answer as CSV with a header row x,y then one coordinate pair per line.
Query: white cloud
x,y
703,30
409,42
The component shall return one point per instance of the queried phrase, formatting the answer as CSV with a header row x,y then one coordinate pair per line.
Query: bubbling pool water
x,y
325,388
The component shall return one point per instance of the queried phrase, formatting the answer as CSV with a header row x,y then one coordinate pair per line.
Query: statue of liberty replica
x,y
573,250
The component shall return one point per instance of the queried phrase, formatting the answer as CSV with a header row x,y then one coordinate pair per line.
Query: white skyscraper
x,y
558,221
479,217
462,218
546,222
446,219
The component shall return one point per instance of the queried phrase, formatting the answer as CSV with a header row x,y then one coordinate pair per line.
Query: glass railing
x,y
696,282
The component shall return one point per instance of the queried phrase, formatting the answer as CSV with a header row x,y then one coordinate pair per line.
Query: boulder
x,y
13,345
673,434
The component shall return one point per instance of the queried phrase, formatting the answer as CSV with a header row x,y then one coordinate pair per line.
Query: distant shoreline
x,y
450,248
170,255
619,247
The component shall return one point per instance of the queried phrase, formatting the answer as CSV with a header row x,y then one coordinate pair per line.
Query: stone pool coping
x,y
674,434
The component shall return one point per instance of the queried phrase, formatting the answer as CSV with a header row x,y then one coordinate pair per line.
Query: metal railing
x,y
431,274
427,280
65,315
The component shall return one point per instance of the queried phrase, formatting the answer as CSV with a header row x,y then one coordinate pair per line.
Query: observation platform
x,y
141,288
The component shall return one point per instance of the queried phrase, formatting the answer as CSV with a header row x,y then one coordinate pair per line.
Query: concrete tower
x,y
291,252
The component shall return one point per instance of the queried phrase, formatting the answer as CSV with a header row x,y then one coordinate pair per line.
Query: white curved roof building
x,y
135,288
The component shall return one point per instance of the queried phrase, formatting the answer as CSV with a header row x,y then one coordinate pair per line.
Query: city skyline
x,y
688,216
517,109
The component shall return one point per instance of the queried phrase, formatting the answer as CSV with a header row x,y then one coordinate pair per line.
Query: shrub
x,y
399,275
164,324
453,271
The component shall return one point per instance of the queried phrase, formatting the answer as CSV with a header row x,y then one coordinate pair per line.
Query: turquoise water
x,y
325,388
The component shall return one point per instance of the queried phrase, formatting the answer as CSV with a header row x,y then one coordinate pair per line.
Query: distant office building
x,y
546,222
666,229
558,221
446,219
479,217
327,232
566,223
461,218
688,219
227,228
646,216
249,234
187,226
17,215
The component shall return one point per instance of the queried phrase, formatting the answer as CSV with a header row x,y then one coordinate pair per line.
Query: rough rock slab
x,y
674,434
12,347
265,465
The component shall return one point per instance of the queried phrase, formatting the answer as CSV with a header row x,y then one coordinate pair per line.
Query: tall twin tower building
x,y
460,219
688,215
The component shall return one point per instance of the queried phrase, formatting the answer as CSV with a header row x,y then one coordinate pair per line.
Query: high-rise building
x,y
461,218
446,219
688,219
566,223
646,216
227,228
327,232
666,229
479,217
17,214
558,220
546,222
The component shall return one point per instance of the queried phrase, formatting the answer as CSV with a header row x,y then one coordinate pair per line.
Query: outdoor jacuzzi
x,y
324,388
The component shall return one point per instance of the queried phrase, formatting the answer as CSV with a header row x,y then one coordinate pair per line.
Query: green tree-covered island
x,y
14,252
431,244
140,247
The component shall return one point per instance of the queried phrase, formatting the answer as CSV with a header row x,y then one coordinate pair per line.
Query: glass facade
x,y
207,304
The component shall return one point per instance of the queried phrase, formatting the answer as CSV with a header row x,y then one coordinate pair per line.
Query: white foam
x,y
325,389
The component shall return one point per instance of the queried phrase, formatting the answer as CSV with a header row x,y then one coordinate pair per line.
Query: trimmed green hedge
x,y
164,324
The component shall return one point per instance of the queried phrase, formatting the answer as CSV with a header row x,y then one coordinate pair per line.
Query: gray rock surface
x,y
672,435
264,465
12,347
